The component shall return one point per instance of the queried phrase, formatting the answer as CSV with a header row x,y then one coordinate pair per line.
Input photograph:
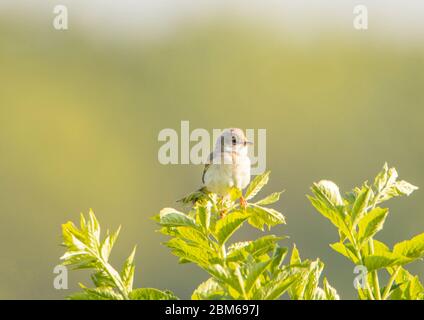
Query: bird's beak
x,y
248,142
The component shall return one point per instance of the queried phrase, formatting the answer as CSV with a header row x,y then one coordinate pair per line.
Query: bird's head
x,y
232,139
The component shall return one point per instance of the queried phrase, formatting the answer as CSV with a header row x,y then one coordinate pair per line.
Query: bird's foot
x,y
243,203
223,213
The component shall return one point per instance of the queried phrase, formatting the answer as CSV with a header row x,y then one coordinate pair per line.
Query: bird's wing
x,y
207,165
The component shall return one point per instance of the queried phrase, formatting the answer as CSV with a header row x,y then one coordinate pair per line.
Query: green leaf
x,y
312,282
330,292
278,258
388,187
191,236
346,250
256,185
414,290
266,216
102,279
360,205
209,290
255,221
85,250
371,223
402,279
235,194
102,293
93,227
240,251
204,214
381,179
127,273
231,278
276,288
272,198
225,227
172,218
189,251
151,294
295,257
333,214
380,261
412,249
328,192
254,272
405,188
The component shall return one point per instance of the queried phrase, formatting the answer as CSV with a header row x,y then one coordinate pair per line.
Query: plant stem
x,y
374,274
387,292
358,253
112,273
367,285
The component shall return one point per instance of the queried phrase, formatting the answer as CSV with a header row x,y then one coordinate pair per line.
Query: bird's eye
x,y
234,141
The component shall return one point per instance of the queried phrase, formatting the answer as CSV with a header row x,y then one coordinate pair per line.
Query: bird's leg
x,y
243,203
222,208
223,213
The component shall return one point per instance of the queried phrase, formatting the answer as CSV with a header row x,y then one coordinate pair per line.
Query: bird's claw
x,y
243,203
223,213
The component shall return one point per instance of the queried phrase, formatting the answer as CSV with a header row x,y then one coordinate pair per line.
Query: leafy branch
x,y
86,250
358,218
256,269
240,270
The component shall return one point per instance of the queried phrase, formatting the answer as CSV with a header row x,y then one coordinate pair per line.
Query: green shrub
x,y
359,216
256,269
86,250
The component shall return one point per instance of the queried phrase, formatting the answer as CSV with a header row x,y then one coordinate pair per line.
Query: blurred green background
x,y
80,115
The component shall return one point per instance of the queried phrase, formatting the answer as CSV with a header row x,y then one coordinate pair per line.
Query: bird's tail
x,y
195,196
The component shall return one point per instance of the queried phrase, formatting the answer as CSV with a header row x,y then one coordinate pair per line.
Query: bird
x,y
227,167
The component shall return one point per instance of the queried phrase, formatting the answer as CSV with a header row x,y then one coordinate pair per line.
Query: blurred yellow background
x,y
80,111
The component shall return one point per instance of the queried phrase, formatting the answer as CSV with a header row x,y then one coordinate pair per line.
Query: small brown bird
x,y
228,166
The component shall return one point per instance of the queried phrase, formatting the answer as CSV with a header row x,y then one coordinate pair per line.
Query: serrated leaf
x,y
328,191
371,223
275,289
225,227
360,205
388,187
254,248
233,279
127,273
405,188
151,294
278,257
172,218
272,198
266,216
295,257
190,252
313,280
381,261
204,214
102,279
209,290
102,293
256,185
333,214
254,272
412,249
346,250
330,292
